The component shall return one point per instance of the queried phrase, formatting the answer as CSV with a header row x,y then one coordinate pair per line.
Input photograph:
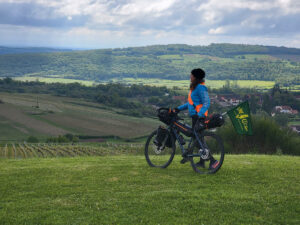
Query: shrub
x,y
32,139
268,137
63,139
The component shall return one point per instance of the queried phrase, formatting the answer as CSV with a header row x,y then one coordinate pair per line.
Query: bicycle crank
x,y
204,153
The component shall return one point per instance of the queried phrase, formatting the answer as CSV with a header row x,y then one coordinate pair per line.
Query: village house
x,y
228,100
284,109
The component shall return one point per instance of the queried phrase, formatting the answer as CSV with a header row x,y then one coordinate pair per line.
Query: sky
x,y
90,24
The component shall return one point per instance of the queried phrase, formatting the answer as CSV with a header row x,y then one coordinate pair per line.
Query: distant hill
x,y
17,50
220,61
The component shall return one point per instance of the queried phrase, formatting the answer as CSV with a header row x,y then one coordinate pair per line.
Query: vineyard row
x,y
25,150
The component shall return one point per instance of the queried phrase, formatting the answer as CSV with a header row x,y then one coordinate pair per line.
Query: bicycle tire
x,y
159,158
215,155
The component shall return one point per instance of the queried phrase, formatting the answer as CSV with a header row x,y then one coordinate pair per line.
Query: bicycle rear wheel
x,y
209,159
159,156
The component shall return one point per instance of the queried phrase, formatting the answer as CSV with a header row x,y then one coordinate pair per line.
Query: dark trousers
x,y
194,120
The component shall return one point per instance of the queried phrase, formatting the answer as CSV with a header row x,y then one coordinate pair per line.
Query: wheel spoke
x,y
208,159
157,154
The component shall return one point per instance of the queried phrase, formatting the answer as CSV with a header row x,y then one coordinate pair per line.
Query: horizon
x,y
83,49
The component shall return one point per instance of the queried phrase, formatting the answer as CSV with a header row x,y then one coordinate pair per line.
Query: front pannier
x,y
214,120
161,136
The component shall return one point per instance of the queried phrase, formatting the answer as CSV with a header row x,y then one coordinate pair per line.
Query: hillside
x,y
18,50
220,61
20,118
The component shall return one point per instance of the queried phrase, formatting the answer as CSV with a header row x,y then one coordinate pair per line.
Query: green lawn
x,y
123,189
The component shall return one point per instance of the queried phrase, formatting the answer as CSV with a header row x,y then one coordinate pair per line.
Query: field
x,y
182,84
44,150
123,189
20,118
54,79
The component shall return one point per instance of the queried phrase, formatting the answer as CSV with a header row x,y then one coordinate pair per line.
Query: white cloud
x,y
218,30
110,22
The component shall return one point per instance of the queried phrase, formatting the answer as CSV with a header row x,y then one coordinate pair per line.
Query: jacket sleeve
x,y
206,102
183,107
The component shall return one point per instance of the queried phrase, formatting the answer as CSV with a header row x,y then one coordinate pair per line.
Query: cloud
x,y
218,30
148,21
36,15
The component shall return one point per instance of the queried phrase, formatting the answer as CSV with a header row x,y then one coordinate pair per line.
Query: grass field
x,y
19,118
123,189
54,79
183,84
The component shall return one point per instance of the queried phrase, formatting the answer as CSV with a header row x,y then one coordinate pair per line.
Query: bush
x,y
281,119
32,139
63,139
268,137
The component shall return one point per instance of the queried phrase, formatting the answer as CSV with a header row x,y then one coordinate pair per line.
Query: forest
x,y
220,61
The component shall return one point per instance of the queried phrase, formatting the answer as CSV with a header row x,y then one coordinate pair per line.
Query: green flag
x,y
241,118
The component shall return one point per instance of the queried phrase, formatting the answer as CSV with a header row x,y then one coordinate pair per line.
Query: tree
x,y
267,103
281,119
253,104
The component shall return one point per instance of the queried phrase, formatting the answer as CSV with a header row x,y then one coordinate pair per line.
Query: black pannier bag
x,y
162,134
184,128
214,120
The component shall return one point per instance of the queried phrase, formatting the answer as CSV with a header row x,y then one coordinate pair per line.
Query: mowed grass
x,y
123,189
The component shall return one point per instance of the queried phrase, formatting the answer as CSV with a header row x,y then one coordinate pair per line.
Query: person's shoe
x,y
200,163
184,160
213,164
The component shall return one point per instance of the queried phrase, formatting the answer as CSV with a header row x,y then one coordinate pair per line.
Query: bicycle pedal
x,y
184,160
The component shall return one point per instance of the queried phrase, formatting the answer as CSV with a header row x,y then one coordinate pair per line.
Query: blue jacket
x,y
199,96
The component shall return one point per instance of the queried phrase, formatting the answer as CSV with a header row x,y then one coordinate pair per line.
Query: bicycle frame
x,y
173,130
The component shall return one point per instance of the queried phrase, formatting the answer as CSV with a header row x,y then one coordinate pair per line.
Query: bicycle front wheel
x,y
209,159
159,155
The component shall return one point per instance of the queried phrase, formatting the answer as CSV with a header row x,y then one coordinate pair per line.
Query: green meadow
x,y
123,189
181,84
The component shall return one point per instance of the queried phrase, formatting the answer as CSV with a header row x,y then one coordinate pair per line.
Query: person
x,y
197,105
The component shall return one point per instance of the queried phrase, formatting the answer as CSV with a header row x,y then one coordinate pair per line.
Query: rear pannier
x,y
214,120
